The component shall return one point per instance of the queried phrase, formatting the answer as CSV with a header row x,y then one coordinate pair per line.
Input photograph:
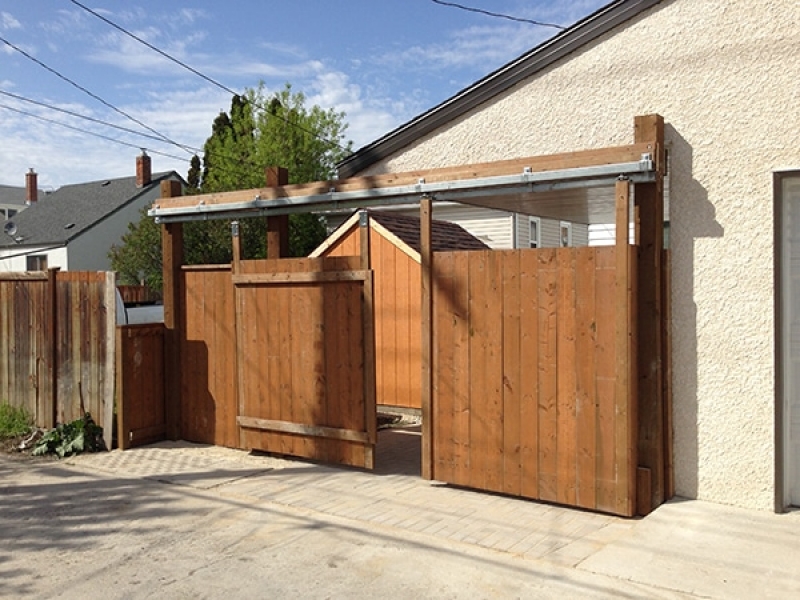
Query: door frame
x,y
782,439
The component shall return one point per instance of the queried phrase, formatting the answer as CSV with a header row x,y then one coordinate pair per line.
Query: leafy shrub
x,y
14,421
81,435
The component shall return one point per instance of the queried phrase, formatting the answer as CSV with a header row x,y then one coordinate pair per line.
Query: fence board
x,y
538,415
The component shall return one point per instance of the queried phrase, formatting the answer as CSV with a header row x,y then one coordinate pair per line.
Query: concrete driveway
x,y
182,521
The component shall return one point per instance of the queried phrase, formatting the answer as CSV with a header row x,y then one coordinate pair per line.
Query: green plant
x,y
81,435
14,421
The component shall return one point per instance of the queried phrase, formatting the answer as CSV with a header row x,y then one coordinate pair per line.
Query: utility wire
x,y
98,135
498,15
199,73
95,96
87,118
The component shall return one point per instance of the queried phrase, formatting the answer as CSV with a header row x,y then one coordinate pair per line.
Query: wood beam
x,y
537,164
172,257
426,260
649,206
278,226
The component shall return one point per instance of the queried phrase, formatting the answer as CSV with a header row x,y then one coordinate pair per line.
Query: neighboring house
x,y
394,247
723,74
75,226
499,229
15,199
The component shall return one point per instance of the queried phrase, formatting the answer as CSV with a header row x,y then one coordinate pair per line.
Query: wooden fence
x,y
141,417
528,398
57,345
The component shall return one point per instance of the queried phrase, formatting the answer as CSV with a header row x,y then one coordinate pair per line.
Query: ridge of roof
x,y
526,65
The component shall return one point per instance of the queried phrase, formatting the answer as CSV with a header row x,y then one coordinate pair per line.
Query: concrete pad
x,y
708,550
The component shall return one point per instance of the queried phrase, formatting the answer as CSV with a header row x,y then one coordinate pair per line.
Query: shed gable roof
x,y
525,66
72,209
404,231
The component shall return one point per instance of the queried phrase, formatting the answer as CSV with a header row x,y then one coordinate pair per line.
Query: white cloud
x,y
8,21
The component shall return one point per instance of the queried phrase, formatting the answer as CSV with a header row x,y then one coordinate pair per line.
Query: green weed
x,y
14,421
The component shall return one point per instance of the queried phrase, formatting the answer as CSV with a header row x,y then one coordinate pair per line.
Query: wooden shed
x,y
394,252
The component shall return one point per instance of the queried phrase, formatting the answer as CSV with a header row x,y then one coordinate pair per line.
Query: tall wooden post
x,y
172,256
47,416
278,226
368,317
426,262
649,201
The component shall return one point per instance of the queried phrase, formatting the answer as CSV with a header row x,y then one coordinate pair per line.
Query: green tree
x,y
261,130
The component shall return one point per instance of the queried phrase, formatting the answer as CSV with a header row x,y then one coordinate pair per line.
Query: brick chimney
x,y
31,186
144,171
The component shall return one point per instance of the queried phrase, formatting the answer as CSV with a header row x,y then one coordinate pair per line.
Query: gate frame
x,y
647,364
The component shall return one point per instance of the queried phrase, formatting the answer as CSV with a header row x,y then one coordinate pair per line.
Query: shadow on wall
x,y
692,216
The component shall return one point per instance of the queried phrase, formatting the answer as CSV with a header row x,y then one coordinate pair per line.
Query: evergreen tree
x,y
260,131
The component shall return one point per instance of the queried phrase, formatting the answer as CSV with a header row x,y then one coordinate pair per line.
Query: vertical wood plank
x,y
427,275
444,447
625,454
548,376
478,384
368,345
586,413
511,303
529,372
492,299
567,363
107,393
605,364
277,226
460,402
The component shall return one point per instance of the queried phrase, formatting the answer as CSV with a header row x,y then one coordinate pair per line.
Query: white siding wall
x,y
14,259
89,251
724,75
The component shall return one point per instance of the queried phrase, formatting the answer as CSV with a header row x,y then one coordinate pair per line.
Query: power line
x,y
498,15
210,80
95,96
87,118
78,129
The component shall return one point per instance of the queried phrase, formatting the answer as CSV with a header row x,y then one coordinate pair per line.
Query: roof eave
x,y
539,58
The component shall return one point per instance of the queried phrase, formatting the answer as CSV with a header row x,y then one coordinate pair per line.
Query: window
x,y
535,235
36,262
566,234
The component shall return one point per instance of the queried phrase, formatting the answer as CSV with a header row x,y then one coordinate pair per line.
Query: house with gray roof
x,y
75,226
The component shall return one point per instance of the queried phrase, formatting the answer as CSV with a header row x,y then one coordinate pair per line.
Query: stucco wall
x,y
724,76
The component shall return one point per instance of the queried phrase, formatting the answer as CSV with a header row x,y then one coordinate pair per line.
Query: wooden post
x,y
649,200
172,256
426,263
624,396
278,226
370,409
49,399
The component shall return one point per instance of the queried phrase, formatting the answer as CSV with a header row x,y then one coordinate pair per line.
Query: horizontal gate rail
x,y
300,277
333,433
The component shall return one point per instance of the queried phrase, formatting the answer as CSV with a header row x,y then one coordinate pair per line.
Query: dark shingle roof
x,y
10,194
444,235
64,214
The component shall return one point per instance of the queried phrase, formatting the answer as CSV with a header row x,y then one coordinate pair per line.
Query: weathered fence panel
x,y
25,351
57,345
141,415
526,395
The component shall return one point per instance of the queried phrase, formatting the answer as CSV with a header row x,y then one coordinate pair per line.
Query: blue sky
x,y
382,62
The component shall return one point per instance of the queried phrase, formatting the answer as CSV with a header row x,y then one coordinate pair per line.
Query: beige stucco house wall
x,y
724,74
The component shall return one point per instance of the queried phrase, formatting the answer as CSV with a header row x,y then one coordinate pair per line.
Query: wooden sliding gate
x,y
531,396
305,358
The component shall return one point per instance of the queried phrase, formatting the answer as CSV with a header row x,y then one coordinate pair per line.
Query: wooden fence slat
x,y
512,373
547,418
461,409
492,297
585,343
445,449
566,361
529,373
478,343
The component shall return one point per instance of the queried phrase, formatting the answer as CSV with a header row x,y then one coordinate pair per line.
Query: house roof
x,y
525,66
404,231
64,214
10,194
